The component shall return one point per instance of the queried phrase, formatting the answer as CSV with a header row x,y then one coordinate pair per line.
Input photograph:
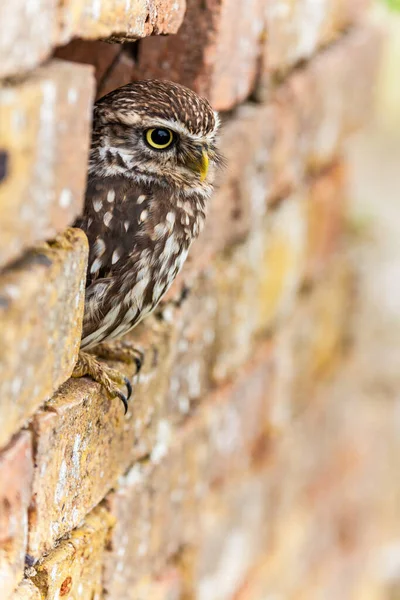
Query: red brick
x,y
218,49
225,437
257,284
234,530
296,29
101,55
74,568
164,587
41,308
26,591
26,31
326,501
84,442
331,96
45,135
215,51
98,439
29,31
326,208
313,340
15,492
124,20
118,75
189,379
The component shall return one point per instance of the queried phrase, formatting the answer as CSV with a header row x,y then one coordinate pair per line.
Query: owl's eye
x,y
159,138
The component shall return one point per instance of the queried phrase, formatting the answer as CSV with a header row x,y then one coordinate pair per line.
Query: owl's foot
x,y
109,378
120,351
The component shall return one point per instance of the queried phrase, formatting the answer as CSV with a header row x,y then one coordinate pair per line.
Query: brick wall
x,y
230,477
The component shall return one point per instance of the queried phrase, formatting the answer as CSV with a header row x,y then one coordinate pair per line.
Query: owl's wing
x,y
113,222
116,222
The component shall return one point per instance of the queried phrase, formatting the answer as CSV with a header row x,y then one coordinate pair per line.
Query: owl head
x,y
157,132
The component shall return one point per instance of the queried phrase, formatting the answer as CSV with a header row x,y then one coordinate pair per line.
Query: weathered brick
x,y
28,32
276,163
214,52
125,20
323,506
234,530
74,568
41,307
257,284
312,341
117,76
101,55
317,331
84,442
164,587
326,207
45,139
295,29
190,379
330,97
222,47
225,436
16,469
26,591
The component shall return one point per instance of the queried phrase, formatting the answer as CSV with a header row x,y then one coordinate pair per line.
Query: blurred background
x,y
372,376
259,460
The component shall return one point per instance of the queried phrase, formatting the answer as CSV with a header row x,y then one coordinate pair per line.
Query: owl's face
x,y
156,131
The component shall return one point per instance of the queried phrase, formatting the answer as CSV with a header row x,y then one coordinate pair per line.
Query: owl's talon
x,y
124,400
128,389
110,379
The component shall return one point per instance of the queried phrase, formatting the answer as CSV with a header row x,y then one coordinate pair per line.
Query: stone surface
x,y
215,51
122,19
41,307
101,55
84,442
26,591
313,340
234,530
189,379
226,436
297,28
118,75
326,100
30,30
45,139
326,213
74,568
167,586
257,284
222,48
15,492
26,31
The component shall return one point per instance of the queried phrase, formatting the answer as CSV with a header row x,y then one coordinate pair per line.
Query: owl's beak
x,y
199,162
203,165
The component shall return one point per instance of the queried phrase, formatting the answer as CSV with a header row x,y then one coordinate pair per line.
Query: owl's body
x,y
146,200
138,243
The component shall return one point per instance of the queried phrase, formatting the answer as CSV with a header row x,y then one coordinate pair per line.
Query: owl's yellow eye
x,y
159,138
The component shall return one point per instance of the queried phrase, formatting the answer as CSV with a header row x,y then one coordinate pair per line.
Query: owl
x,y
151,169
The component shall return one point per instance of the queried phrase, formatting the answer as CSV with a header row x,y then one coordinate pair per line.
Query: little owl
x,y
151,171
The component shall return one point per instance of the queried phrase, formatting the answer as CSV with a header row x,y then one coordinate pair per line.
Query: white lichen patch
x,y
163,441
